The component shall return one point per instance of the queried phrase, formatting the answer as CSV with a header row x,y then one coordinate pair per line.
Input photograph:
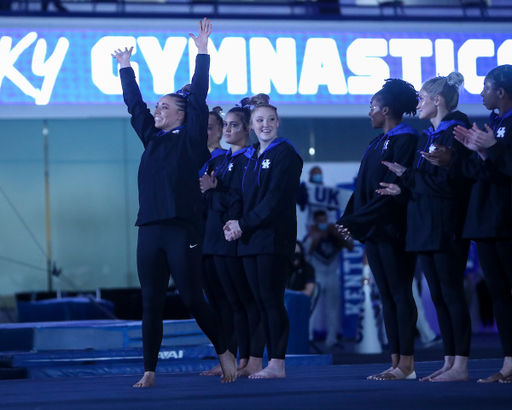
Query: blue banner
x,y
74,66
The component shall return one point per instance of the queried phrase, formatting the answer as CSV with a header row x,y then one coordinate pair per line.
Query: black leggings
x,y
171,248
268,275
496,259
393,269
444,272
218,300
248,326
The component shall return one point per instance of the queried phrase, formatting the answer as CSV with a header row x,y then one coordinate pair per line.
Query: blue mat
x,y
321,387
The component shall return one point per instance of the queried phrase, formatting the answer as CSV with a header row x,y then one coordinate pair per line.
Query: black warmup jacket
x,y
216,202
490,204
438,200
263,199
168,172
370,215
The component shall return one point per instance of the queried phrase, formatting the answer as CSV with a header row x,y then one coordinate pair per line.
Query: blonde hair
x,y
447,87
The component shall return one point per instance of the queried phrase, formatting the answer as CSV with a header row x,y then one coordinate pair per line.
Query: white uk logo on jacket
x,y
230,168
501,132
265,164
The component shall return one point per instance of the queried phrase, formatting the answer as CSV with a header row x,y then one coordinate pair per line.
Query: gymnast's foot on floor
x,y
452,375
458,372
253,366
148,380
506,380
216,371
448,364
274,369
504,373
228,363
375,376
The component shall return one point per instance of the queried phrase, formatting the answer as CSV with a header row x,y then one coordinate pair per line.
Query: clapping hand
x,y
394,167
344,231
207,182
389,189
440,156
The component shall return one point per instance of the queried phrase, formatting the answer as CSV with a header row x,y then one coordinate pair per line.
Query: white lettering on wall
x,y
162,63
505,53
102,63
322,66
228,63
445,61
468,53
278,66
363,60
411,50
49,69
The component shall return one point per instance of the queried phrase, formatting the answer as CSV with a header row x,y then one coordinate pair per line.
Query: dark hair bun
x,y
217,109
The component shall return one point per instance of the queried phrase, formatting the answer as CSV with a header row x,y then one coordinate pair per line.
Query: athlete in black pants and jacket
x,y
436,212
265,200
489,221
169,216
379,221
216,186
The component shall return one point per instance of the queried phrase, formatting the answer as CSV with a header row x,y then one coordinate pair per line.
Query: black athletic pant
x,y
248,326
393,269
218,300
172,248
268,275
496,260
444,272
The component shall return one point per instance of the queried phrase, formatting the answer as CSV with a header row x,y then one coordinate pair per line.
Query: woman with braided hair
x,y
436,211
169,219
380,221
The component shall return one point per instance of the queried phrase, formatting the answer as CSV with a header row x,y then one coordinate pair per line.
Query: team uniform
x,y
263,201
231,280
436,213
489,221
379,221
169,218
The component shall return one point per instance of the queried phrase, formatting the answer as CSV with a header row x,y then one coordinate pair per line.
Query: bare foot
x,y
506,380
148,380
448,364
452,375
216,371
496,377
253,366
275,369
228,363
374,376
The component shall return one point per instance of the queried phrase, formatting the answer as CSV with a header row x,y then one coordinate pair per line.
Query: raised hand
x,y
440,156
394,167
123,57
201,41
389,189
207,182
